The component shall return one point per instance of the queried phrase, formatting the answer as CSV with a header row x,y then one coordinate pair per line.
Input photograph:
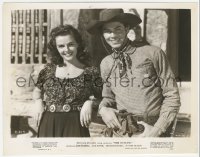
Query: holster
x,y
129,125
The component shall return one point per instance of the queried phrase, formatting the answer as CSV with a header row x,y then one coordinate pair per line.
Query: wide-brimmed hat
x,y
109,15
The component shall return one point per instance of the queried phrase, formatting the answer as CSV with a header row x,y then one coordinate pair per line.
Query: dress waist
x,y
53,107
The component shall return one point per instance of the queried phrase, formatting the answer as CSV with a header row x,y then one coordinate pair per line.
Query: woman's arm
x,y
94,99
38,107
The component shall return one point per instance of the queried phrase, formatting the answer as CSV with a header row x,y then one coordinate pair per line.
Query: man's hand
x,y
149,131
86,113
109,117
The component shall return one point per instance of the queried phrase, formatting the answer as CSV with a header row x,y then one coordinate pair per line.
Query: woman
x,y
66,87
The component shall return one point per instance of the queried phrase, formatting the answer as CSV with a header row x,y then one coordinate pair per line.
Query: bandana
x,y
122,57
124,60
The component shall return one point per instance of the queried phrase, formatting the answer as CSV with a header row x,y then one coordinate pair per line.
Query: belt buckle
x,y
52,108
66,108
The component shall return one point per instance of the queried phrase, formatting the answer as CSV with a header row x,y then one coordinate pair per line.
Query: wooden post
x,y
32,37
48,24
24,38
16,37
40,37
61,17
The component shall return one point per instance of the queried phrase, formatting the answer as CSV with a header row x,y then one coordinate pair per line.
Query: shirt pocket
x,y
145,74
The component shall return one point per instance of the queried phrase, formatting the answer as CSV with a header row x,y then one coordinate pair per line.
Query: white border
x,y
101,5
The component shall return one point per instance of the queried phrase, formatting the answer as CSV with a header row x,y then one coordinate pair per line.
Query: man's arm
x,y
171,99
106,107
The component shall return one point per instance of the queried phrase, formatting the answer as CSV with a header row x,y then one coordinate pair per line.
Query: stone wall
x,y
22,83
157,28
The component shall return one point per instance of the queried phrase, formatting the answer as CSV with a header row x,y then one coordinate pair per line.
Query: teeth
x,y
67,54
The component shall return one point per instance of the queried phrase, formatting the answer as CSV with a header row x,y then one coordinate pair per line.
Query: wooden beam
x,y
32,37
61,17
16,37
24,38
48,24
40,37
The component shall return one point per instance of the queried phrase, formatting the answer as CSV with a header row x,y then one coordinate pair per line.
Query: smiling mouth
x,y
67,54
115,41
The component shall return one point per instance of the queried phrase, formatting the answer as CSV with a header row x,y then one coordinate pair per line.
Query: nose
x,y
66,48
112,34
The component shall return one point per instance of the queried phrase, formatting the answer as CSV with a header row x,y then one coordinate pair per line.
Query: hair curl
x,y
62,30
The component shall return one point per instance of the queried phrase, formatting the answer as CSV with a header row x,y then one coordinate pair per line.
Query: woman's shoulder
x,y
48,68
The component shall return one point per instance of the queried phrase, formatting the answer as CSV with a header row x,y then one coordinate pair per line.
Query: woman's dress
x,y
63,99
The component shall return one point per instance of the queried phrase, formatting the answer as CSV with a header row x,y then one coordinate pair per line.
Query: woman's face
x,y
67,47
115,34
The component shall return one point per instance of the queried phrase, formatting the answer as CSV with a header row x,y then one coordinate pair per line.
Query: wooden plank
x,y
24,38
172,44
48,24
40,36
32,38
29,25
55,20
13,35
16,37
61,17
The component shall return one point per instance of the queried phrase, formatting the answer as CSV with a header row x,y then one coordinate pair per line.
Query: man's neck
x,y
125,43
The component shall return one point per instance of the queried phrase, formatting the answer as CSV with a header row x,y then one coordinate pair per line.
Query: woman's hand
x,y
109,117
38,107
86,113
37,110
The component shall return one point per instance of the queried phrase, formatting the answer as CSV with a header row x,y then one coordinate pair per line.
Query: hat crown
x,y
108,14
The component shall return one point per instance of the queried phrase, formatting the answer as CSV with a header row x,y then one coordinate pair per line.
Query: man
x,y
137,77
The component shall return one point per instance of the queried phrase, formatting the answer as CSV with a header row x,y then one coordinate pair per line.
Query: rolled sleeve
x,y
171,99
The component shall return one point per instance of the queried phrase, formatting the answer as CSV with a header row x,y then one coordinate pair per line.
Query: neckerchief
x,y
125,62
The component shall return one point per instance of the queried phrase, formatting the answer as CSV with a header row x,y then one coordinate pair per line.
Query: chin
x,y
68,58
116,46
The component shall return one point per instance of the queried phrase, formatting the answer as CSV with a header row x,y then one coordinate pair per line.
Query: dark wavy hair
x,y
62,30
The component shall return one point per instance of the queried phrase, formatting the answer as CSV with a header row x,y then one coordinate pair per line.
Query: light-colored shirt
x,y
149,88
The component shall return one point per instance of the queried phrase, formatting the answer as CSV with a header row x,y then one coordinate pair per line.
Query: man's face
x,y
114,33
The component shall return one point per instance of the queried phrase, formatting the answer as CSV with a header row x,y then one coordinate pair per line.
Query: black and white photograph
x,y
100,76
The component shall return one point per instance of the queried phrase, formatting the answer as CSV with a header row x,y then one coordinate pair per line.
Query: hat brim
x,y
125,18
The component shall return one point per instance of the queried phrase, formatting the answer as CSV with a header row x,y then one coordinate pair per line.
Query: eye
x,y
60,46
72,44
107,31
119,29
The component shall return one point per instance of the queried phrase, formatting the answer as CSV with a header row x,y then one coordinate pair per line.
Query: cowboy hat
x,y
110,15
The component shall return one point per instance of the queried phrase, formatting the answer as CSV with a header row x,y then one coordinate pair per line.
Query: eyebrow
x,y
67,43
114,28
118,27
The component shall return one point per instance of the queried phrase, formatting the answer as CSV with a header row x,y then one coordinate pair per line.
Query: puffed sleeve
x,y
96,83
43,75
40,80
